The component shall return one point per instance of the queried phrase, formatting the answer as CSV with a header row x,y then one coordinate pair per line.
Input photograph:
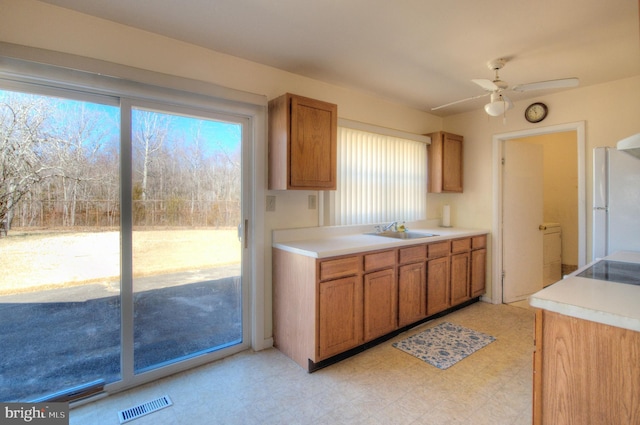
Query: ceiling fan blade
x,y
486,84
551,84
459,101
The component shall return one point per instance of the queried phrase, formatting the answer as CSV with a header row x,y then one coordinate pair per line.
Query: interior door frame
x,y
498,178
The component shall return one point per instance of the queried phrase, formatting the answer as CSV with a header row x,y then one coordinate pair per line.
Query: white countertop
x,y
323,242
609,303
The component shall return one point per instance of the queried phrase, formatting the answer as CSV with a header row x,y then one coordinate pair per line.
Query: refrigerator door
x,y
624,202
600,178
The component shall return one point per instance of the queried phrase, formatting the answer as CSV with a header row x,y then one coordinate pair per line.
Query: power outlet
x,y
312,202
271,203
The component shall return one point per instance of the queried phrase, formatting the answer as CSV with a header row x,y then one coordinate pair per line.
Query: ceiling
x,y
422,53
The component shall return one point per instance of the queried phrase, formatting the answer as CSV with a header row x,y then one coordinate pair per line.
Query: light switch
x,y
271,203
312,202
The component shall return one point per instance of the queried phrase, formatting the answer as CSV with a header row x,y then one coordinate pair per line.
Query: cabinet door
x,y
339,316
380,303
412,293
445,162
438,295
478,272
460,278
452,163
313,144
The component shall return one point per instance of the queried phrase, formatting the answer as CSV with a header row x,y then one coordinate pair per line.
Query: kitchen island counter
x,y
600,301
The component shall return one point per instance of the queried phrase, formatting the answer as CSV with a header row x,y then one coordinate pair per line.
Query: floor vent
x,y
144,409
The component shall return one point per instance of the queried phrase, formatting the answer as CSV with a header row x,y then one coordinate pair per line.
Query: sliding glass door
x,y
186,208
122,241
59,244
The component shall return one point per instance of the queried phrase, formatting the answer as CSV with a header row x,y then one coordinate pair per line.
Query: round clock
x,y
536,112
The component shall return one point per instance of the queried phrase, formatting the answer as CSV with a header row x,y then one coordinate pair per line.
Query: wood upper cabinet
x,y
302,143
445,156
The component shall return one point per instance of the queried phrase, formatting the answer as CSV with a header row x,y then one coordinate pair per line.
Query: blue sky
x,y
219,134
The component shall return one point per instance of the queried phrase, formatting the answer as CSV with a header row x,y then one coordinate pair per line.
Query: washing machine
x,y
552,253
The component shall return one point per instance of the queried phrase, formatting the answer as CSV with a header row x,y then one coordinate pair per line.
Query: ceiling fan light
x,y
498,106
495,109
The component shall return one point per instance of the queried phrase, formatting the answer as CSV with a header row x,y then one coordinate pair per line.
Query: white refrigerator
x,y
616,202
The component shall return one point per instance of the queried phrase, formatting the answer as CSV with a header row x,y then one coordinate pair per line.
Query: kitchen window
x,y
382,176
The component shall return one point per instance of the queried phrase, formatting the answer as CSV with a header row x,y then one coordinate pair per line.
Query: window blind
x,y
380,178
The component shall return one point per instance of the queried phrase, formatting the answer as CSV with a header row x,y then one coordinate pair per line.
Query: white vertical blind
x,y
380,178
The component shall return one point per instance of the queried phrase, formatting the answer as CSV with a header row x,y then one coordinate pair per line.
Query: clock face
x,y
536,112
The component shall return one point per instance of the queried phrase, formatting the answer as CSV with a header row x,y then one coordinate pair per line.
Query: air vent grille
x,y
144,409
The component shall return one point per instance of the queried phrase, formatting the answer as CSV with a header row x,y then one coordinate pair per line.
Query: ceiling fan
x,y
500,103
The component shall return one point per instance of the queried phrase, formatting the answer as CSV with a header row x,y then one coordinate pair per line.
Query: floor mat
x,y
444,345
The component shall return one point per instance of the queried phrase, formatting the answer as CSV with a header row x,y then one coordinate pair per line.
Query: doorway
x,y
499,142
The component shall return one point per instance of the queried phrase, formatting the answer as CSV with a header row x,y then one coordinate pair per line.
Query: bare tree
x,y
21,149
149,135
76,140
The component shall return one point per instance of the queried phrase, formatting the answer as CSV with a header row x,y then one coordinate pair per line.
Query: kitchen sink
x,y
402,235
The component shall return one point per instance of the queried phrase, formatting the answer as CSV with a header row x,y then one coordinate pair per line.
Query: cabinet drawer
x,y
379,260
413,254
331,269
460,245
439,249
478,242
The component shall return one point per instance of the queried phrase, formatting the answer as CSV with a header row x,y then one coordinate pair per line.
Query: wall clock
x,y
536,112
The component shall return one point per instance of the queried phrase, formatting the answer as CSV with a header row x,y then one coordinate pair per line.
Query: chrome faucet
x,y
393,225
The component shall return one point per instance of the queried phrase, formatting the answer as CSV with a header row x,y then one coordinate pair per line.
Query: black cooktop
x,y
614,271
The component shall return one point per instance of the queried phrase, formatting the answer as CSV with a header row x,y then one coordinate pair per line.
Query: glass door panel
x,y
59,245
186,208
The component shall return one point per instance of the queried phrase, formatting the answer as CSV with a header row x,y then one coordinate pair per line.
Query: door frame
x,y
498,155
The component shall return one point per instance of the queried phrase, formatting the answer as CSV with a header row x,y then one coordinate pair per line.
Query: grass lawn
x,y
37,260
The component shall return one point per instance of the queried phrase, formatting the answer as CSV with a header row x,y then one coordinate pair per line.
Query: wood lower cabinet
x,y
380,303
412,293
324,307
460,290
584,372
339,316
478,272
438,288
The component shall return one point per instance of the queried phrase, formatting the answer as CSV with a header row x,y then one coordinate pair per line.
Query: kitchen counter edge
x,y
353,243
604,302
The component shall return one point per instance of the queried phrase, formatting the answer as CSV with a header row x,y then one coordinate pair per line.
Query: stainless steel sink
x,y
402,235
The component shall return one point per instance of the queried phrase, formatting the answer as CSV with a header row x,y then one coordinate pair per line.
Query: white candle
x,y
446,216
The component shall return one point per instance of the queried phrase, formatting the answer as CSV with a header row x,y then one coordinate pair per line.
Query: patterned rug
x,y
444,345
